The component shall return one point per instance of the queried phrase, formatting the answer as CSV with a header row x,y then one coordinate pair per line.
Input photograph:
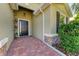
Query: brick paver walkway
x,y
30,46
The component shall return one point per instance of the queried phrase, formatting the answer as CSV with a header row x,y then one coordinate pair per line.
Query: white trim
x,y
37,10
29,29
18,28
3,42
50,35
42,7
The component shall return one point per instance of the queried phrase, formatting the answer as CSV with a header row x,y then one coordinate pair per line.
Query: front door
x,y
23,27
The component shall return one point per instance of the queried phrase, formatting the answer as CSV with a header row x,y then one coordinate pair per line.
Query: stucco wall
x,y
38,26
50,20
53,20
47,20
50,17
6,23
54,8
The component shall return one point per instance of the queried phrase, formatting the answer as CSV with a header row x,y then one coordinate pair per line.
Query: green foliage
x,y
77,17
75,7
69,35
61,20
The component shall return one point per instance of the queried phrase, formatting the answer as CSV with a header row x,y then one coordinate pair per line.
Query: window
x,y
61,19
57,21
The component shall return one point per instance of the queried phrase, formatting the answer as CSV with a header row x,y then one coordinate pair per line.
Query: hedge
x,y
69,36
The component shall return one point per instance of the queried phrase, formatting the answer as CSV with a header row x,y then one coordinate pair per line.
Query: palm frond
x,y
75,7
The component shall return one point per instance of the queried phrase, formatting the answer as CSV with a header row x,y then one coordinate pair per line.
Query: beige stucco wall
x,y
38,26
49,20
38,23
6,23
54,8
47,15
50,17
53,19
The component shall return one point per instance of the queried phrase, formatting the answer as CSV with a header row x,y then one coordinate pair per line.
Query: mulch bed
x,y
65,52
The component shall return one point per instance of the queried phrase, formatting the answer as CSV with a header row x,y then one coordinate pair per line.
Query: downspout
x,y
43,21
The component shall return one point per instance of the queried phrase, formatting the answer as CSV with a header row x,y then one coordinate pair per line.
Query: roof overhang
x,y
42,7
24,6
68,9
14,6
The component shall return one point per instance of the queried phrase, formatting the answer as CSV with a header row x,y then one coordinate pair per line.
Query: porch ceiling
x,y
31,6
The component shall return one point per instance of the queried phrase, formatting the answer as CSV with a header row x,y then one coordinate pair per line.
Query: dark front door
x,y
23,28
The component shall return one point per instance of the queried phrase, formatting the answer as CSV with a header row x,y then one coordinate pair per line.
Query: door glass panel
x,y
23,27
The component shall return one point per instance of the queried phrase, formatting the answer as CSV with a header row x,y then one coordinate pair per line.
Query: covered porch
x,y
30,46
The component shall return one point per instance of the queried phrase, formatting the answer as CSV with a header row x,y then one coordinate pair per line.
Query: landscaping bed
x,y
69,38
65,52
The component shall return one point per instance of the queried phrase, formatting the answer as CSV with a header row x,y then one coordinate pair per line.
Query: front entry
x,y
23,27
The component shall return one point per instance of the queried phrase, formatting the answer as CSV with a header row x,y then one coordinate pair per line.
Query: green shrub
x,y
69,36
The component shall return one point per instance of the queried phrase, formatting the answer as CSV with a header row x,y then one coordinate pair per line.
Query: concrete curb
x,y
53,48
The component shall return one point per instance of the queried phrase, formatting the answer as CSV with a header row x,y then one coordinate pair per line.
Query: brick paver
x,y
30,46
